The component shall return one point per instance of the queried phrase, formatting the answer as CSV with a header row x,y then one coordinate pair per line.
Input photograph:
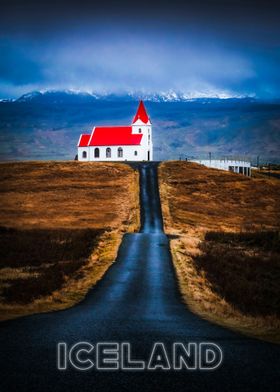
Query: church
x,y
119,143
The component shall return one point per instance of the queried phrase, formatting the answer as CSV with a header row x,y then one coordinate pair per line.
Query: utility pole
x,y
210,157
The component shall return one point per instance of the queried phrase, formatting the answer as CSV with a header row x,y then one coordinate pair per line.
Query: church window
x,y
84,154
108,152
120,152
96,152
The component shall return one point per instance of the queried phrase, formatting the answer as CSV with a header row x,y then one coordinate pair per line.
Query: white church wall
x,y
147,140
81,153
128,153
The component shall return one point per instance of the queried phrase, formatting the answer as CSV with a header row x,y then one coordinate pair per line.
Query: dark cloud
x,y
18,64
222,46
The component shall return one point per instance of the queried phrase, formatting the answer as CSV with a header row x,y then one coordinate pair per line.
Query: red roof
x,y
84,139
114,136
141,114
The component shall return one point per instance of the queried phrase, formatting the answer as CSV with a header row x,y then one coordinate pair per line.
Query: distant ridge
x,y
47,124
169,96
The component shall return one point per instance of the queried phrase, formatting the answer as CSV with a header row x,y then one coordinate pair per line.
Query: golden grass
x,y
61,200
197,200
65,194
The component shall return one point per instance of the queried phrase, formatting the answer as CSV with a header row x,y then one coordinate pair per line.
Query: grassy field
x,y
225,244
61,225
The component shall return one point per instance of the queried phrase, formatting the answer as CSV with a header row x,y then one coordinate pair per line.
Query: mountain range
x,y
45,96
47,124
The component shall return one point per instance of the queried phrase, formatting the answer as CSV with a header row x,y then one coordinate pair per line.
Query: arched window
x,y
120,152
135,152
108,152
84,154
140,130
96,152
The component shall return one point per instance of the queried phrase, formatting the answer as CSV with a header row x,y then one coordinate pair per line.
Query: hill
x,y
225,241
61,227
47,125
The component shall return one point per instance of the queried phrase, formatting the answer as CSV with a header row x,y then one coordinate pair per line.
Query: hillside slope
x,y
48,126
225,242
61,225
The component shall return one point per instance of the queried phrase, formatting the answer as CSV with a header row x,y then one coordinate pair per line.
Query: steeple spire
x,y
141,114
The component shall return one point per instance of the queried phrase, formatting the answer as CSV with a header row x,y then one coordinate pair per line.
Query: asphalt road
x,y
138,302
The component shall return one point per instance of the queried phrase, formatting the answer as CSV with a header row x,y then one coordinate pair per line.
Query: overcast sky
x,y
226,47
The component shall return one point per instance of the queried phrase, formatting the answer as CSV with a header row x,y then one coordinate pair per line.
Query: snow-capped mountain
x,y
165,96
47,124
55,96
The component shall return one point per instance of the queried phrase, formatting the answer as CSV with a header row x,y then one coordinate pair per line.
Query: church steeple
x,y
141,114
